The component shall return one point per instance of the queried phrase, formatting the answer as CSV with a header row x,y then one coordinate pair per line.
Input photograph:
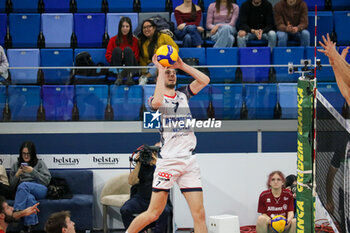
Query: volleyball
x,y
278,223
167,55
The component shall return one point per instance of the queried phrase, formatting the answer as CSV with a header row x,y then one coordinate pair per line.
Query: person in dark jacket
x,y
256,23
291,22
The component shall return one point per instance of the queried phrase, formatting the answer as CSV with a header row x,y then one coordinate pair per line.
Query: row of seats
x,y
94,29
130,5
206,56
101,102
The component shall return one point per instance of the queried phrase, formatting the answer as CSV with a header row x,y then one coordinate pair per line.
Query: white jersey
x,y
177,135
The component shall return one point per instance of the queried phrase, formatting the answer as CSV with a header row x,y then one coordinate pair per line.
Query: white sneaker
x,y
143,80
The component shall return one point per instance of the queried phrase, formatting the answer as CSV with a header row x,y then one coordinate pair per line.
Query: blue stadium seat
x,y
56,57
89,5
113,22
91,101
120,6
24,29
98,55
148,91
3,28
324,25
25,5
57,6
57,29
326,73
311,4
2,100
58,102
341,27
199,103
332,93
340,5
255,56
24,58
126,102
227,100
89,29
193,52
261,100
287,97
24,102
206,4
152,5
347,56
2,5
284,55
222,56
179,2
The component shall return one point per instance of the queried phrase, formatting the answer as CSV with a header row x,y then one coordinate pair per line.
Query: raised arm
x,y
340,67
201,80
160,85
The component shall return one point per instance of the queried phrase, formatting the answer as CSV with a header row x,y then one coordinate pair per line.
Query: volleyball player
x,y
176,162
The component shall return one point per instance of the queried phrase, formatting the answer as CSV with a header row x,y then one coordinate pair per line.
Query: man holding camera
x,y
141,179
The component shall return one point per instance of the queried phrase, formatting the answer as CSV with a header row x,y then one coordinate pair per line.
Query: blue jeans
x,y
224,37
26,195
303,37
190,36
270,37
136,205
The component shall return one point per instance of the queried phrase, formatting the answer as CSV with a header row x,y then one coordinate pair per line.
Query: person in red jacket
x,y
122,50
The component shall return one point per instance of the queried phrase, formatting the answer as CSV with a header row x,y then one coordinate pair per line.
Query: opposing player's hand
x,y
328,47
344,52
156,63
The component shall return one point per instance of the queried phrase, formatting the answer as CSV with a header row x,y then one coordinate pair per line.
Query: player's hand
x,y
328,47
31,210
344,52
179,64
156,63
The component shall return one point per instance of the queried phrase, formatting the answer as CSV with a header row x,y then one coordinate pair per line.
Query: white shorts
x,y
184,171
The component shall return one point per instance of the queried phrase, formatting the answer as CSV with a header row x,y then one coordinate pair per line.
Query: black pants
x,y
128,59
6,191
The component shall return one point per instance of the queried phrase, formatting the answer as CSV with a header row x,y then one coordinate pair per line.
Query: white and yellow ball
x,y
167,55
278,223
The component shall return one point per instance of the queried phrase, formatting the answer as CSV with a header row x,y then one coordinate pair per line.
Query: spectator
x,y
3,66
221,21
291,22
256,22
150,40
122,50
7,215
32,177
141,179
188,17
273,201
60,222
5,189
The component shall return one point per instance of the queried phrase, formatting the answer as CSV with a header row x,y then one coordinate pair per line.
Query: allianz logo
x,y
105,160
66,161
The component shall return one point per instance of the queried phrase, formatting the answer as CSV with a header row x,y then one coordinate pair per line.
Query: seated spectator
x,y
150,40
122,50
60,222
256,23
188,17
141,179
4,65
5,189
32,177
221,21
272,203
7,215
291,18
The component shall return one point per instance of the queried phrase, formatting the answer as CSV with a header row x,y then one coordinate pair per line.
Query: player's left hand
x,y
31,210
328,47
178,64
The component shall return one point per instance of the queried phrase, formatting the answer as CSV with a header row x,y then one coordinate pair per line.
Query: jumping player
x,y
176,162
